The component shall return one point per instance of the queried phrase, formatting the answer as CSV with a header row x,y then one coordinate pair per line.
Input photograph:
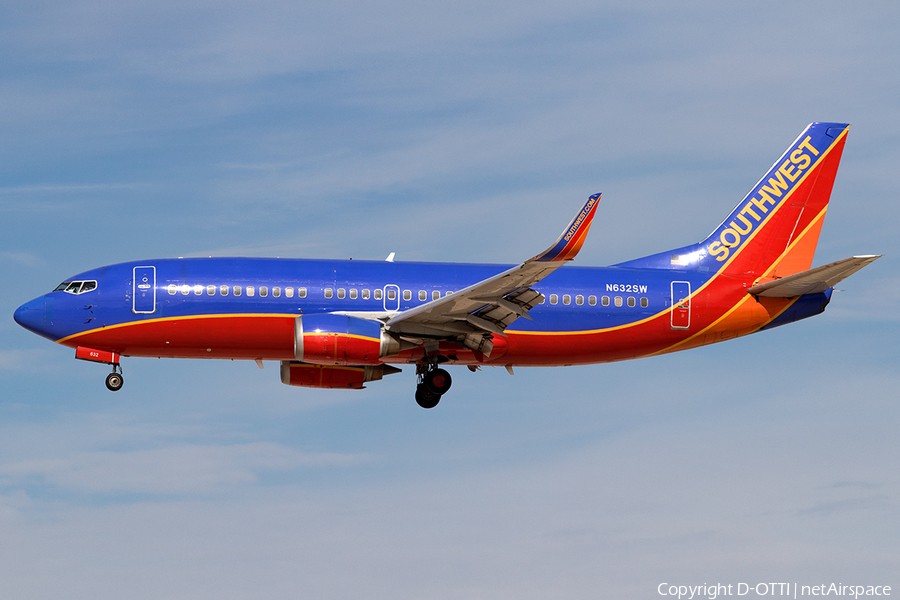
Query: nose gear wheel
x,y
115,380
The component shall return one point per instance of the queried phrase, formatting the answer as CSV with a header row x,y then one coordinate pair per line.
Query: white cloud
x,y
25,259
24,361
171,470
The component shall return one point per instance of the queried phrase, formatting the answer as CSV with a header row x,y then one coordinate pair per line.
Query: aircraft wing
x,y
490,306
813,281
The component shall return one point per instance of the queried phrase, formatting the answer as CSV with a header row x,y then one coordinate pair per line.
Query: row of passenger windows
x,y
377,294
604,300
237,290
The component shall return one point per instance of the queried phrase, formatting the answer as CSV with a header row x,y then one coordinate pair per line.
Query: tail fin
x,y
773,232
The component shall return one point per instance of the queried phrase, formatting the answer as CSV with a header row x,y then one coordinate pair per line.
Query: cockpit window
x,y
76,287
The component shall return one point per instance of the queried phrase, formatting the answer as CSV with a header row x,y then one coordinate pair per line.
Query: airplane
x,y
344,323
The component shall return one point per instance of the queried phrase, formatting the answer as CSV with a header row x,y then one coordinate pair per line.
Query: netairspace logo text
x,y
791,590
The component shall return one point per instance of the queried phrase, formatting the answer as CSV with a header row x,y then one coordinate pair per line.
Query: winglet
x,y
572,238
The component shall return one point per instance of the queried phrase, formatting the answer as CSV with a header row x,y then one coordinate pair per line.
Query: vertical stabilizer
x,y
773,232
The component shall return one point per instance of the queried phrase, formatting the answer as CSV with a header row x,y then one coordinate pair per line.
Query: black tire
x,y
425,398
438,381
114,382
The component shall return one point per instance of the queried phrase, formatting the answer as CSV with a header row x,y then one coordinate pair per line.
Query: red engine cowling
x,y
322,376
330,339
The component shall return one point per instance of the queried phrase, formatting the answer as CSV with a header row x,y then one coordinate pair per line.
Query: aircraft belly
x,y
269,337
722,317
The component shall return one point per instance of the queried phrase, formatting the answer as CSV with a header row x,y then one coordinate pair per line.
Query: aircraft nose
x,y
33,315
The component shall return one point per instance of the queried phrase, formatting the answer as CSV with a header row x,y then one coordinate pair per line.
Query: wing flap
x,y
813,281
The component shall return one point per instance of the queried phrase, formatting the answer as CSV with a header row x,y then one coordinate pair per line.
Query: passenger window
x,y
185,290
554,298
618,300
423,295
631,302
251,291
365,294
237,290
644,303
329,292
198,290
88,286
223,290
301,292
579,299
353,294
435,295
172,289
342,293
289,292
392,294
276,292
378,294
447,293
592,300
210,290
543,299
604,300
407,295
263,291
567,299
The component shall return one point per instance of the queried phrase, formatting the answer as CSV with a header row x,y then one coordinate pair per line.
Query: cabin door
x,y
144,290
681,304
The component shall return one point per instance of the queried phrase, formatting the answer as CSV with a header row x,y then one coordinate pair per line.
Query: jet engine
x,y
332,339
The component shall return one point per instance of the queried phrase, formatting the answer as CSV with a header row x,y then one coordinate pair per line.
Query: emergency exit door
x,y
681,304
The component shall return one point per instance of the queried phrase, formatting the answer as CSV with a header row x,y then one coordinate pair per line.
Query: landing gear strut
x,y
114,380
433,383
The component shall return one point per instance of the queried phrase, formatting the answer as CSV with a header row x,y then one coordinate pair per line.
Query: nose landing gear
x,y
433,383
114,380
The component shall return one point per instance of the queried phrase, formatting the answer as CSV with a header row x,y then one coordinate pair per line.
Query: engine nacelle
x,y
322,376
329,339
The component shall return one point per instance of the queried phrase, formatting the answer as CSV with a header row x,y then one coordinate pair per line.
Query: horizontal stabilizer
x,y
813,281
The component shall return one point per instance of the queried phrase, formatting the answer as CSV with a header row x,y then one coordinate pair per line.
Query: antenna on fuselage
x,y
390,257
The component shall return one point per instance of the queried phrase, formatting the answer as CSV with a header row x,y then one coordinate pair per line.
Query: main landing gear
x,y
115,381
433,383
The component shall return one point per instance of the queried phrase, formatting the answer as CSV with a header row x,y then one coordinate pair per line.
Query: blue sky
x,y
459,132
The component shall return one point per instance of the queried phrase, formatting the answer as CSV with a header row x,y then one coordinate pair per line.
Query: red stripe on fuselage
x,y
210,336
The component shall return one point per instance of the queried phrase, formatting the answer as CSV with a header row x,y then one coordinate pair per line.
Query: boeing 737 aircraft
x,y
341,324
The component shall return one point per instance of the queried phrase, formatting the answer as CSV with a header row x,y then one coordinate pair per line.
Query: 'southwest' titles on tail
x,y
773,232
